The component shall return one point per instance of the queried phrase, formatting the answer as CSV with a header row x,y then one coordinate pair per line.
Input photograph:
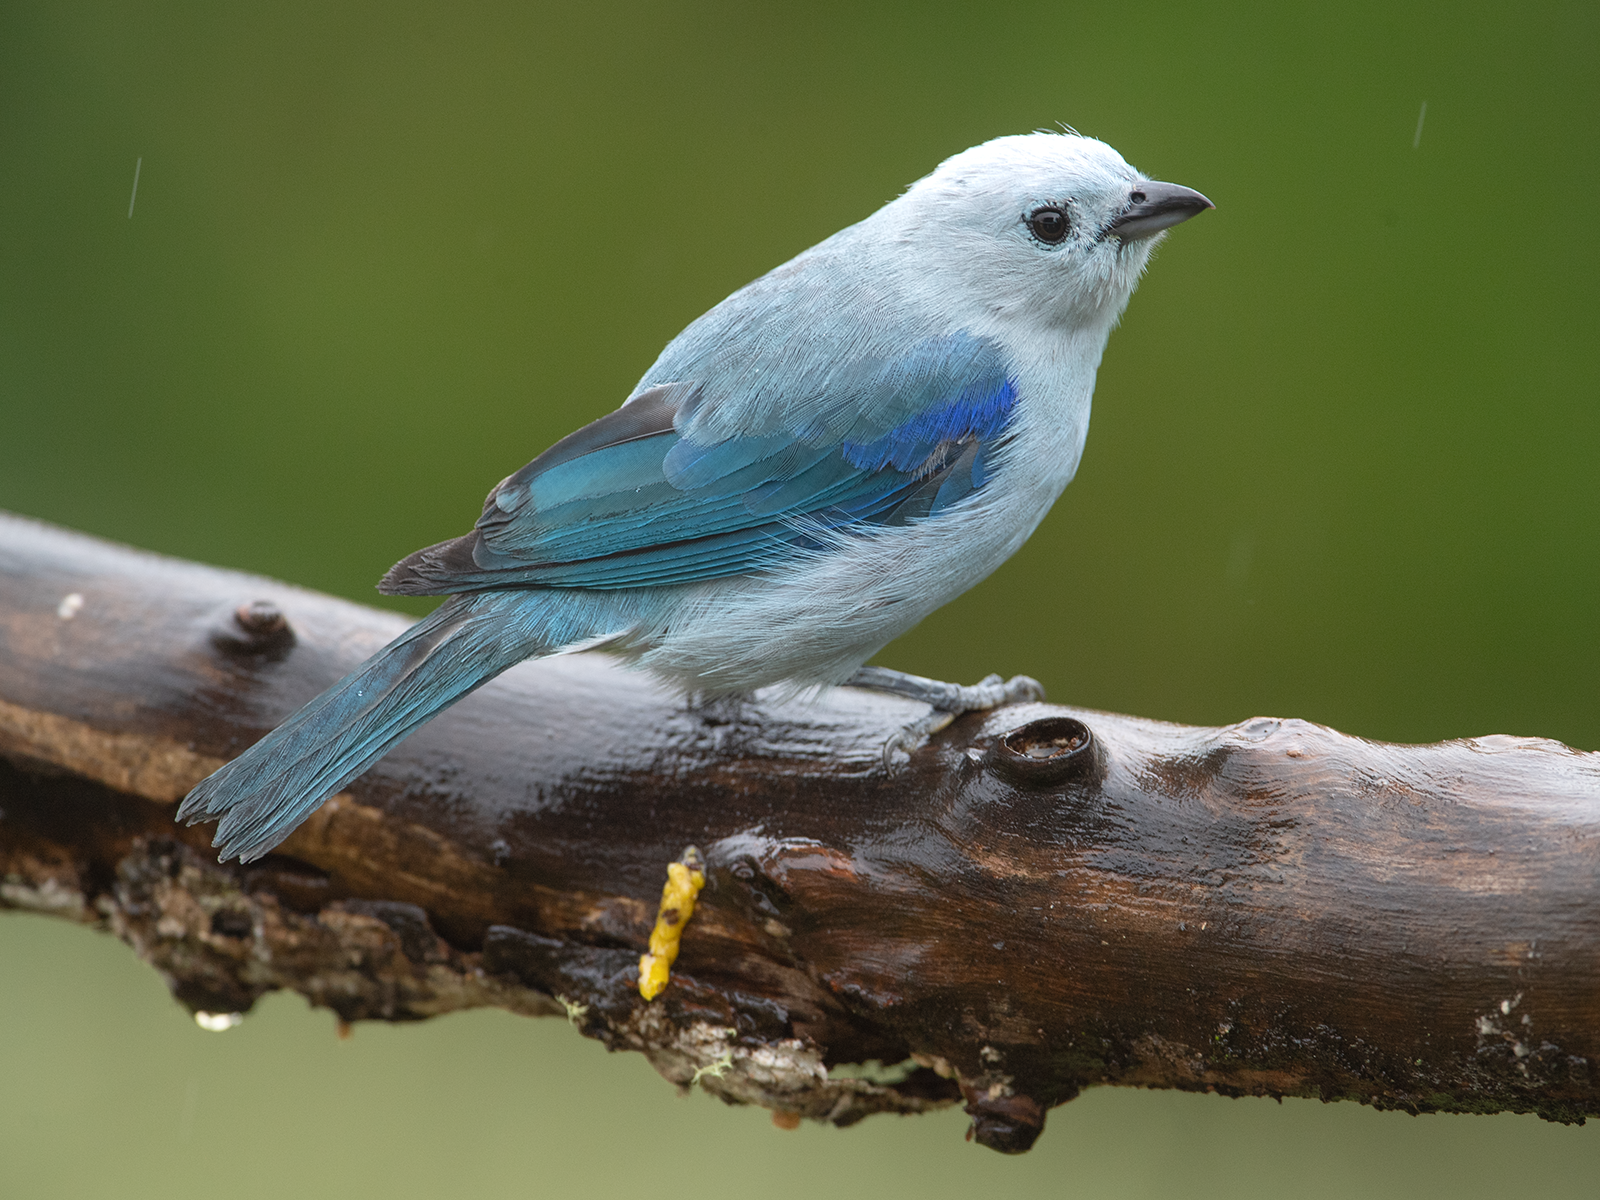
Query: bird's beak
x,y
1154,206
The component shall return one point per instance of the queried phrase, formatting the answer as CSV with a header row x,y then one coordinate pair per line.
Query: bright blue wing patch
x,y
645,504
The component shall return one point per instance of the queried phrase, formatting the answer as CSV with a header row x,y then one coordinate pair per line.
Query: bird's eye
x,y
1137,197
1049,224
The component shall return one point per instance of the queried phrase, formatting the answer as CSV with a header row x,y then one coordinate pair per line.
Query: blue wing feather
x,y
650,495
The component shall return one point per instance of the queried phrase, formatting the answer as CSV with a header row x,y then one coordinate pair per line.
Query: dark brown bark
x,y
1042,899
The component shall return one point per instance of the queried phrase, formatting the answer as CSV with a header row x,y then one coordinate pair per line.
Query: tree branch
x,y
1044,898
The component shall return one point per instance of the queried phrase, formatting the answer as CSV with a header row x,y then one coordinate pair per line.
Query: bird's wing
x,y
648,496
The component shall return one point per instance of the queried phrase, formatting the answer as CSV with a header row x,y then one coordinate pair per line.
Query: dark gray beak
x,y
1154,206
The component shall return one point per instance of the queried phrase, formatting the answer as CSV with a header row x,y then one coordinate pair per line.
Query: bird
x,y
804,473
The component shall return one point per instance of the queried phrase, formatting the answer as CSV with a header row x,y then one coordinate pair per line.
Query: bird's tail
x,y
268,790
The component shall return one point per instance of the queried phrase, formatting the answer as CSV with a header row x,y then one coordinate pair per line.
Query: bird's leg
x,y
723,719
718,708
951,698
948,700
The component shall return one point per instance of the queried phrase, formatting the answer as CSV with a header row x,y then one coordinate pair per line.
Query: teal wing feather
x,y
646,497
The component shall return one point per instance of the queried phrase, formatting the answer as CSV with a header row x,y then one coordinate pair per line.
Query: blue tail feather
x,y
272,787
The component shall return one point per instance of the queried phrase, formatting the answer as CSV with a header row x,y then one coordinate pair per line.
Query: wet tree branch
x,y
1042,899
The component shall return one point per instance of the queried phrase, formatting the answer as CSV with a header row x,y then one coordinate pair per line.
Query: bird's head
x,y
1041,228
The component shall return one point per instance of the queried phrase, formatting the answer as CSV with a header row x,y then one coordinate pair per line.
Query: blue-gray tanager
x,y
806,472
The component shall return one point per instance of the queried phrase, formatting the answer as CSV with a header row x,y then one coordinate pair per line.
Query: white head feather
x,y
964,229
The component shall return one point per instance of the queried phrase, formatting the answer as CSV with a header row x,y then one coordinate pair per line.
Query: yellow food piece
x,y
684,882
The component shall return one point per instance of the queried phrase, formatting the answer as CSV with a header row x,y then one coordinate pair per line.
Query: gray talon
x,y
1023,689
901,739
909,737
992,692
948,701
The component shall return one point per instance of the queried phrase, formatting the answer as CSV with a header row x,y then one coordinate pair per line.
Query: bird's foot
x,y
948,701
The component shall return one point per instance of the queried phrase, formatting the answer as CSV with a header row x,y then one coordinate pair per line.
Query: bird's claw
x,y
988,693
908,737
994,692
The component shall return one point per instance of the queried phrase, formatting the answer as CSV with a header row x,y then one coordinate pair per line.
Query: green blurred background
x,y
1341,468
